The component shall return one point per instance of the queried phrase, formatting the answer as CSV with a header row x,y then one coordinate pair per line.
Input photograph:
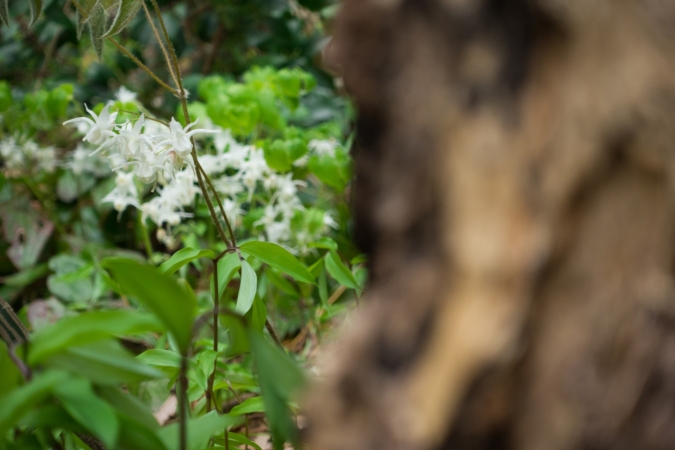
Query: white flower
x,y
329,222
323,146
124,95
99,128
178,138
124,194
46,159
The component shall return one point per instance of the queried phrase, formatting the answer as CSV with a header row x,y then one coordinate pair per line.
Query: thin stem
x,y
23,368
183,404
159,41
220,205
273,333
142,66
205,192
146,237
216,307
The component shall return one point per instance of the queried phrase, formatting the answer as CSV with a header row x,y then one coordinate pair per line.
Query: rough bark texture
x,y
515,193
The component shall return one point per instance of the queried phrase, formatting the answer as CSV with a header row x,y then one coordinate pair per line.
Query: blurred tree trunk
x,y
515,168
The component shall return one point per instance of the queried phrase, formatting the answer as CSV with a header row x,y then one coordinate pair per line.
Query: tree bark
x,y
514,191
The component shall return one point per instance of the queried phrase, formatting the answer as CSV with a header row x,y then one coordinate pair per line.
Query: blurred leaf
x,y
9,373
200,430
325,242
128,405
160,358
280,378
89,327
159,292
182,257
18,402
26,277
78,398
251,405
4,16
282,283
339,271
97,26
35,10
12,331
135,435
247,288
125,13
104,362
279,258
257,315
239,440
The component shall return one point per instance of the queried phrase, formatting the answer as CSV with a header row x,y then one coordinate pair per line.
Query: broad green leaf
x,y
280,377
9,373
125,13
18,402
200,430
227,267
51,416
135,436
251,405
78,398
247,288
160,358
279,258
35,10
257,316
323,288
325,242
182,257
128,405
97,25
104,362
339,271
160,293
89,327
4,12
282,283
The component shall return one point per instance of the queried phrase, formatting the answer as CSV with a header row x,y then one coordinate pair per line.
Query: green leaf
x,y
160,358
97,25
282,283
279,258
247,288
280,377
251,405
323,288
104,362
128,405
18,402
125,13
4,12
9,373
135,436
325,242
236,441
35,10
227,267
78,398
200,430
182,257
26,277
161,293
89,327
257,316
339,271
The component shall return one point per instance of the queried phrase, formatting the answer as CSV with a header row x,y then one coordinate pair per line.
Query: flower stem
x,y
142,66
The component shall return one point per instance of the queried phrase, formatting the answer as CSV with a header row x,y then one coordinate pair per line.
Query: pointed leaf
x,y
250,405
339,271
4,12
104,362
89,327
227,267
247,288
97,23
35,10
78,398
200,430
170,302
182,257
279,258
126,11
160,358
128,405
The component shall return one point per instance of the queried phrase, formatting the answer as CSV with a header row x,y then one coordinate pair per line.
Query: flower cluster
x,y
151,152
26,158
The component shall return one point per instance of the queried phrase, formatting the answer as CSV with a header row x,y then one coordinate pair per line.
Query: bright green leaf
x,y
78,398
160,293
182,257
89,327
200,430
160,358
247,288
128,405
251,405
279,258
227,267
339,271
